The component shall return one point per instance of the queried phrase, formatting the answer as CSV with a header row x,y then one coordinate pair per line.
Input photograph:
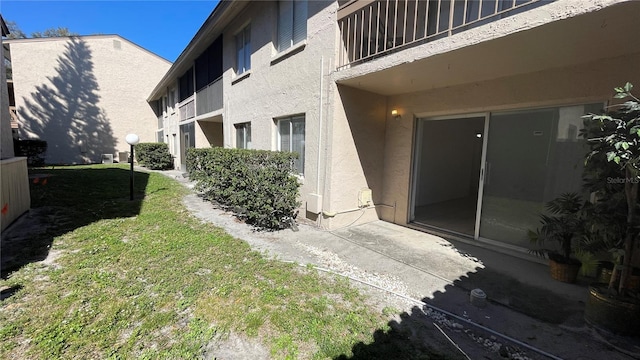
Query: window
x,y
164,105
172,101
292,23
243,50
291,138
243,136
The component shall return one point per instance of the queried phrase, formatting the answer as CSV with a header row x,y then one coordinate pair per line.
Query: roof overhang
x,y
3,25
224,12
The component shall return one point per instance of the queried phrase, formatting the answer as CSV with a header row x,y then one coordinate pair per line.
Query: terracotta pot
x,y
617,315
564,272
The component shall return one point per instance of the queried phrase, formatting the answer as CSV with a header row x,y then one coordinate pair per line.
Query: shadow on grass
x,y
62,200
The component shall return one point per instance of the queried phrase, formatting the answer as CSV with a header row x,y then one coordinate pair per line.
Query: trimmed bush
x,y
257,185
34,150
154,156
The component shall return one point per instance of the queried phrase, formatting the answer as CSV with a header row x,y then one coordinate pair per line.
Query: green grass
x,y
144,279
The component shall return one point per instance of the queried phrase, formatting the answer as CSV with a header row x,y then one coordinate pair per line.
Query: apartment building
x,y
448,115
84,94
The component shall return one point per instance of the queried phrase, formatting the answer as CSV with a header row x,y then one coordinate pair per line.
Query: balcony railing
x,y
187,109
370,28
209,98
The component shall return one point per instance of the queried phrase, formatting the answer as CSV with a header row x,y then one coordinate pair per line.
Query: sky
x,y
162,27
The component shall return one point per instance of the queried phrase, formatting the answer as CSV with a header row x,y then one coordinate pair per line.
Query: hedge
x,y
34,150
257,185
154,156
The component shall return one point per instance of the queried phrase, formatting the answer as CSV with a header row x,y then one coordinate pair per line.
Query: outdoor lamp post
x,y
133,140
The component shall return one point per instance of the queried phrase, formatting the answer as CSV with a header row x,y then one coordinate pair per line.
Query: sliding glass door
x,y
489,176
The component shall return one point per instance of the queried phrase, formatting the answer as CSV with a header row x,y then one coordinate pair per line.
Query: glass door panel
x,y
447,173
532,157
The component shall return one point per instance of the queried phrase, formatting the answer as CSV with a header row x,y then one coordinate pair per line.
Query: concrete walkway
x,y
440,272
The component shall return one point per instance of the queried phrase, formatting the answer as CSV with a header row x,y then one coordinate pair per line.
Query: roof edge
x,y
102,36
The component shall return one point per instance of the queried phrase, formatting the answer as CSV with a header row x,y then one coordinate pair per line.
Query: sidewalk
x,y
524,303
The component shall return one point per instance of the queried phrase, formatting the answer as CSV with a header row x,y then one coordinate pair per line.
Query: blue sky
x,y
163,27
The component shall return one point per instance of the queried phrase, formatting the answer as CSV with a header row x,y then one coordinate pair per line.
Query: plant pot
x,y
614,314
565,271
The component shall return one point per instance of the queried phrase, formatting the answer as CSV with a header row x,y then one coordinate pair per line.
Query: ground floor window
x,y
499,171
243,135
291,137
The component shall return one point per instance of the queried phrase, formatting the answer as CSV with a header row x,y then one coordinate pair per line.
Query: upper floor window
x,y
243,136
292,23
243,50
172,101
165,103
291,138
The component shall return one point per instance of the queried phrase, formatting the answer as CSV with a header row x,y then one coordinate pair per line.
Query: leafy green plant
x,y
613,173
257,185
563,226
154,156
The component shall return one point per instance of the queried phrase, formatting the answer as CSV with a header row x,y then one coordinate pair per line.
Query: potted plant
x,y
612,171
563,226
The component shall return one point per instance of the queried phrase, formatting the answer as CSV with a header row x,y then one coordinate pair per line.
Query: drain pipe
x,y
320,126
420,302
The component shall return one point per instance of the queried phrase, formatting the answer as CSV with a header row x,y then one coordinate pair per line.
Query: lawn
x,y
144,279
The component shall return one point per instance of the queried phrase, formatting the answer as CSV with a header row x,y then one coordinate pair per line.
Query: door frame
x,y
418,142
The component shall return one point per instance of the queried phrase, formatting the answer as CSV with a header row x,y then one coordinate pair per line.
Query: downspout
x,y
320,128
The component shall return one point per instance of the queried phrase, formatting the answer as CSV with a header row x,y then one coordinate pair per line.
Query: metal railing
x,y
370,28
187,109
209,98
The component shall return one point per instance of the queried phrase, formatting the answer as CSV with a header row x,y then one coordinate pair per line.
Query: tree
x,y
614,139
53,32
14,31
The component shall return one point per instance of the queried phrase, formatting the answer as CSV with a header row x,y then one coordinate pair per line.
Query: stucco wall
x,y
356,155
586,83
83,95
279,86
208,134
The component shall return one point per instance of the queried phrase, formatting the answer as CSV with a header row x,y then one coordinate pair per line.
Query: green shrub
x,y
34,150
257,185
154,156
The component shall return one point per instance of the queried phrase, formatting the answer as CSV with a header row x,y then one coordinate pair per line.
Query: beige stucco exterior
x,y
553,54
562,53
84,94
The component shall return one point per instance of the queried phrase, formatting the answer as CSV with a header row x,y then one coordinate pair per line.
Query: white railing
x,y
187,109
209,98
370,28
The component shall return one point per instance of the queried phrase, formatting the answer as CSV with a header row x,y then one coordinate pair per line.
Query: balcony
x,y
209,98
372,28
186,109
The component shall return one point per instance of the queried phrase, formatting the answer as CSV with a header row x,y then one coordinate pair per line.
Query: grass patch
x,y
144,279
